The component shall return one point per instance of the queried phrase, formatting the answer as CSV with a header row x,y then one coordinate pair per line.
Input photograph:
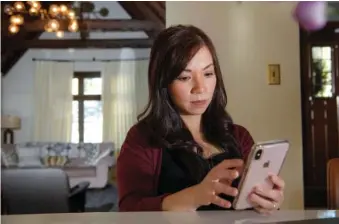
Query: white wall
x,y
17,85
249,36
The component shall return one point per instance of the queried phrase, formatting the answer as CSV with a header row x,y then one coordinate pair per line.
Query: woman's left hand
x,y
265,201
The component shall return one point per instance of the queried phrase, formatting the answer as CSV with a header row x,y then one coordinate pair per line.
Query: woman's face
x,y
192,91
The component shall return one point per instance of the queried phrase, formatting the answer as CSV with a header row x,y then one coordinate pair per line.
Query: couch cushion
x,y
9,157
29,156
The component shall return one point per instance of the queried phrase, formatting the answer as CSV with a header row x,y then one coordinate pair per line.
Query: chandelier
x,y
52,16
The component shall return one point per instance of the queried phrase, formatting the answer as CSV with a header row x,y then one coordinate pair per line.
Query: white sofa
x,y
81,161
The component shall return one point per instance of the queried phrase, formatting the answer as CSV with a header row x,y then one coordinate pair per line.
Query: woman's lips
x,y
199,103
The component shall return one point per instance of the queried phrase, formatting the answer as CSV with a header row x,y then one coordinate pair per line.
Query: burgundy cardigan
x,y
139,166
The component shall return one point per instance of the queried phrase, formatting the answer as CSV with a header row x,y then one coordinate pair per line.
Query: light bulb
x,y
17,20
73,26
36,5
59,34
8,9
53,10
33,11
71,14
53,24
19,6
13,28
48,28
63,9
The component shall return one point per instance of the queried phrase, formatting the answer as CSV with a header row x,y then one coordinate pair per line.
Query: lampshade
x,y
10,122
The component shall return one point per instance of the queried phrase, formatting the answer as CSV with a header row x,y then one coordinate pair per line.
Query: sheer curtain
x,y
122,97
53,101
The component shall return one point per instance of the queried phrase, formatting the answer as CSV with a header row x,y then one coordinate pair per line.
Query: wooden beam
x,y
141,11
93,24
158,10
77,43
84,34
11,57
162,4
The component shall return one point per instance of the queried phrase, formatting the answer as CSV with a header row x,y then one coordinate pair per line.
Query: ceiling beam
x,y
162,4
78,43
93,24
140,10
11,57
157,10
84,34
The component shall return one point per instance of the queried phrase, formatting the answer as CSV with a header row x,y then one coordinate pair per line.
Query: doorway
x,y
319,60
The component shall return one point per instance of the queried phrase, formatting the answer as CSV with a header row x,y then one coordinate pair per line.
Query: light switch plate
x,y
274,74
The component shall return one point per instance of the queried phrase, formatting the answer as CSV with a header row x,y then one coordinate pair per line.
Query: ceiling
x,y
147,16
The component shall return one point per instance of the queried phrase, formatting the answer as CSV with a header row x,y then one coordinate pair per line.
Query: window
x,y
87,107
322,71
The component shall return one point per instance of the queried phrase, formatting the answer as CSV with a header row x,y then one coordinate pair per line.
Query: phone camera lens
x,y
258,154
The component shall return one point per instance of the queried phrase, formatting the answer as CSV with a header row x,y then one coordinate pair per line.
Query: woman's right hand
x,y
218,181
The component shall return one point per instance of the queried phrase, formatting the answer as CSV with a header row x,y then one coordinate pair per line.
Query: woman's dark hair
x,y
171,52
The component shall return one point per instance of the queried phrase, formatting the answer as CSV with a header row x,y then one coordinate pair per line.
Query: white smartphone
x,y
264,158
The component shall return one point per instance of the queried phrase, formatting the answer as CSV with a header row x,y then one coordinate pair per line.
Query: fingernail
x,y
226,204
236,174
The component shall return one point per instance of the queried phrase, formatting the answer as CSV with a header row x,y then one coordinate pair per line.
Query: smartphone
x,y
264,158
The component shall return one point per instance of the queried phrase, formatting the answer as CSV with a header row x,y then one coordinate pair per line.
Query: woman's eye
x,y
183,78
209,74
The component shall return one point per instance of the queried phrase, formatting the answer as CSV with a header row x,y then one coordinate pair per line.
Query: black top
x,y
173,177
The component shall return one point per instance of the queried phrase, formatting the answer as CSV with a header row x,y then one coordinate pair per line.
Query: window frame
x,y
81,98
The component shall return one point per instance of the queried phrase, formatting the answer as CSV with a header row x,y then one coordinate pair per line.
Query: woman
x,y
185,153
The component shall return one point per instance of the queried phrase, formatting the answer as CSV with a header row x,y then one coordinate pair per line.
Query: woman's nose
x,y
198,85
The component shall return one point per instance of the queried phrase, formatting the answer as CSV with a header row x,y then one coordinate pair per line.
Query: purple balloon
x,y
311,16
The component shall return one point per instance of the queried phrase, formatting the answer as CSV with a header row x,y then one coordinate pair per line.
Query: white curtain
x,y
123,96
142,84
53,101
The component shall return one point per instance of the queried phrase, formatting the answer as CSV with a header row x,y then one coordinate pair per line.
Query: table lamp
x,y
9,123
